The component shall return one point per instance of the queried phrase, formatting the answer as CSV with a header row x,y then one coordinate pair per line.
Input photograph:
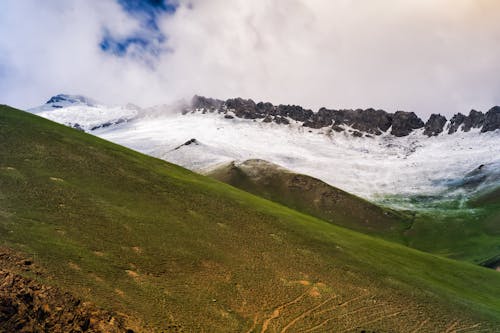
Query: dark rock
x,y
434,125
455,122
243,108
85,325
474,120
322,118
294,112
337,128
228,116
403,123
370,120
491,120
211,104
187,143
78,127
107,124
357,134
268,119
281,120
265,108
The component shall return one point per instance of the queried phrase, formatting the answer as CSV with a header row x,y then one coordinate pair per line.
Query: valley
x,y
174,249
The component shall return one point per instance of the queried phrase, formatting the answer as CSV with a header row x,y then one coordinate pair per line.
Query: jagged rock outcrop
x,y
294,112
491,120
475,119
200,102
243,108
322,118
369,121
455,122
403,123
363,122
434,125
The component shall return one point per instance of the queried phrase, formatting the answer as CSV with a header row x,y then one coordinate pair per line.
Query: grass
x,y
173,249
313,197
457,228
451,228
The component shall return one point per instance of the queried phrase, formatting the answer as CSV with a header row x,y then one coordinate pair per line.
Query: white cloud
x,y
419,55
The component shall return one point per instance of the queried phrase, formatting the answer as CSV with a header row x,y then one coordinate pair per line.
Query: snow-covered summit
x,y
64,100
84,113
371,165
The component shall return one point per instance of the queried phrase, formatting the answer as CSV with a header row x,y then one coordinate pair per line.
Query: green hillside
x,y
456,228
312,196
176,251
465,231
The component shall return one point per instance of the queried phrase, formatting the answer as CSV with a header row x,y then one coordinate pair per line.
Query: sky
x,y
426,56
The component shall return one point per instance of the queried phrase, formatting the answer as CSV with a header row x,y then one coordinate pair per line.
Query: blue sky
x,y
426,56
151,39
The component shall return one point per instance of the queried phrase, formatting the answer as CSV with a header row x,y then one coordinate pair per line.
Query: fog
x,y
426,56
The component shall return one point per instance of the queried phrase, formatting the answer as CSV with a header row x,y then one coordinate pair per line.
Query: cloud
x,y
421,55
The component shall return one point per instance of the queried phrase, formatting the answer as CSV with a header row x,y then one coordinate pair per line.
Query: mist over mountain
x,y
294,166
425,56
374,153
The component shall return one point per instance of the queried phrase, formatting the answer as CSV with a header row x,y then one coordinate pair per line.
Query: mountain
x,y
84,113
357,154
358,122
434,178
64,100
164,249
311,196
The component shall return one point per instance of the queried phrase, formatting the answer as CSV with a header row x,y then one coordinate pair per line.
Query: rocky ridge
x,y
359,122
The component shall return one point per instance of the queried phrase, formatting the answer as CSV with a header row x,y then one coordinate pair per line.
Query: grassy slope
x,y
141,236
471,234
467,231
312,196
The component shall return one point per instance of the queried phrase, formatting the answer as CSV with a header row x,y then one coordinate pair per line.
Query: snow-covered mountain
x,y
84,113
371,153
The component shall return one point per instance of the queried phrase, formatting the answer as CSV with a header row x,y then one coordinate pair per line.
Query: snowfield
x,y
87,117
372,168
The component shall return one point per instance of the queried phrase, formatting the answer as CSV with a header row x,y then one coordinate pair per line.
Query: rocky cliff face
x,y
364,122
492,120
434,125
475,119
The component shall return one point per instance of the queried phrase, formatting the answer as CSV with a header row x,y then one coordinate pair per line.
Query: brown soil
x,y
29,306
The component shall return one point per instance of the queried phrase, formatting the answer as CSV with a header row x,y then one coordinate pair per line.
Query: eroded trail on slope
x,y
320,309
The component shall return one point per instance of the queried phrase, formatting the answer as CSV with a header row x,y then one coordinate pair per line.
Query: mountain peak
x,y
64,100
61,100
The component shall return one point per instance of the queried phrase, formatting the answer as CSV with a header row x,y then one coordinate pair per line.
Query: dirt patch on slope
x,y
29,306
